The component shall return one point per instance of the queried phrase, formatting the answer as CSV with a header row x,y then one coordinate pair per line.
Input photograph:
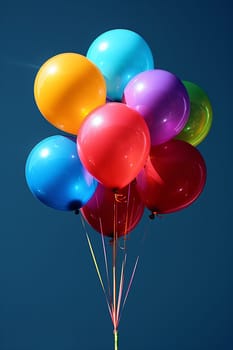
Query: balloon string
x,y
123,198
127,216
96,265
114,260
115,334
120,198
104,250
122,279
129,286
105,262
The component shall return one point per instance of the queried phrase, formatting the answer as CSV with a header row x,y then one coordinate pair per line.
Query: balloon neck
x,y
153,215
113,239
134,182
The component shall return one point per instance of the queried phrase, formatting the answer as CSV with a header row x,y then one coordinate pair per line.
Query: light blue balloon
x,y
120,54
56,176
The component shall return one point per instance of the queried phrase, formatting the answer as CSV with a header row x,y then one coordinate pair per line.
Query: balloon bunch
x,y
135,127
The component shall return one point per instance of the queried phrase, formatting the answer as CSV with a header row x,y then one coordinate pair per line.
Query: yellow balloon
x,y
67,88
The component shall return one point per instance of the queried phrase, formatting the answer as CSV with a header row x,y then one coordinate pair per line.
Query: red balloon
x,y
105,207
113,144
173,178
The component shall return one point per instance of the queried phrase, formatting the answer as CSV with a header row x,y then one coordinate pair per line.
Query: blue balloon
x,y
56,176
120,54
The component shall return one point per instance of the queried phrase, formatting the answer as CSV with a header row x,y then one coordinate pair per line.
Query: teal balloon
x,y
56,176
120,54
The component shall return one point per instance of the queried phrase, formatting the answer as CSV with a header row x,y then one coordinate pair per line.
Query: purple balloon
x,y
161,98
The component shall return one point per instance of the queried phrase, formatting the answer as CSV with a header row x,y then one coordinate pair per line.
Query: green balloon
x,y
200,117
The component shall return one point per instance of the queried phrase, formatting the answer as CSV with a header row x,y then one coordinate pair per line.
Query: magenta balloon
x,y
161,98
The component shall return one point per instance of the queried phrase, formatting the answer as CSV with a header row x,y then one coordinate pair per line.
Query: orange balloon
x,y
67,88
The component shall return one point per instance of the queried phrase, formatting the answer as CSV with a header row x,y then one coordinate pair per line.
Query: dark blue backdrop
x,y
50,297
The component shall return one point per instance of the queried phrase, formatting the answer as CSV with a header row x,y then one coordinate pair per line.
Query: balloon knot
x,y
77,211
120,197
153,215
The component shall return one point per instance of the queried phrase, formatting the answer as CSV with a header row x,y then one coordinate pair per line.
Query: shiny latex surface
x,y
120,54
161,98
173,177
67,88
200,117
56,176
113,144
106,211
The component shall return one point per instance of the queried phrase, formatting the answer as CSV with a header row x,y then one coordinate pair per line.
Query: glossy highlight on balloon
x,y
200,118
113,144
56,176
120,54
173,178
67,88
135,130
107,211
161,98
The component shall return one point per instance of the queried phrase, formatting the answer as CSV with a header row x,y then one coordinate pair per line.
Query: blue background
x,y
50,297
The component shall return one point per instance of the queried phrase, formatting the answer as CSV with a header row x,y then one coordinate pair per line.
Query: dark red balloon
x,y
173,178
105,207
113,144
